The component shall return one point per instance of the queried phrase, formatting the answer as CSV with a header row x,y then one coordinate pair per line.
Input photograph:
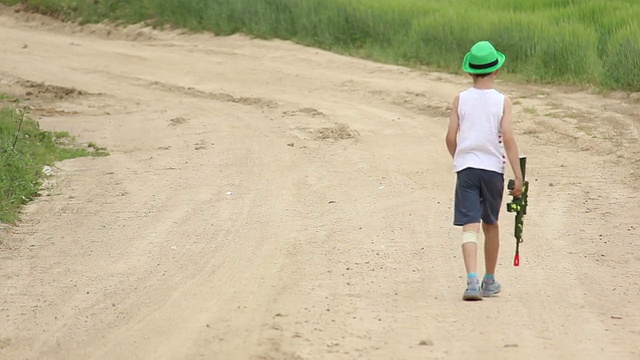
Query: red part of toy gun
x,y
518,205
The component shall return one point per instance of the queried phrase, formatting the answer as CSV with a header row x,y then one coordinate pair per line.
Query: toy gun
x,y
518,205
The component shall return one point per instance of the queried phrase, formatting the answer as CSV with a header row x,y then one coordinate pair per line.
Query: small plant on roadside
x,y
97,150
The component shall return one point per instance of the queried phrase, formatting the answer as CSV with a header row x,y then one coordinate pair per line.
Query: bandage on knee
x,y
469,237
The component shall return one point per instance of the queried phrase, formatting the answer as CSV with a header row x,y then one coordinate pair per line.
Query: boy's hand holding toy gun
x,y
518,205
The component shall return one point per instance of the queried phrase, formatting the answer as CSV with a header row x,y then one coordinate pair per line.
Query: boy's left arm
x,y
452,132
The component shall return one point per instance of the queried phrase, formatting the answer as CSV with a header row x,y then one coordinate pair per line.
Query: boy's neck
x,y
486,83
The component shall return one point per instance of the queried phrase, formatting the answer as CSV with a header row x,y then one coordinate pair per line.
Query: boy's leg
x,y
467,213
470,254
490,286
491,246
470,234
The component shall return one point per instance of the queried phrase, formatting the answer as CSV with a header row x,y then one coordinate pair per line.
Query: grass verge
x,y
591,42
25,150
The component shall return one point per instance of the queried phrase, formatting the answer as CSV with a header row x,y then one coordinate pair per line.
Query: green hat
x,y
483,59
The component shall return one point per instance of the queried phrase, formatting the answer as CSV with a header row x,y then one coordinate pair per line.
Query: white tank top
x,y
479,142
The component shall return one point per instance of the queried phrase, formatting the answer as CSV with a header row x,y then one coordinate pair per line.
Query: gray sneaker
x,y
473,291
490,288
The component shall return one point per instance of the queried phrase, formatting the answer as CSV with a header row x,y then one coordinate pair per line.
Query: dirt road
x,y
264,200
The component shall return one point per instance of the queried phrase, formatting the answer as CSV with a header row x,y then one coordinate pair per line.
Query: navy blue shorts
x,y
478,196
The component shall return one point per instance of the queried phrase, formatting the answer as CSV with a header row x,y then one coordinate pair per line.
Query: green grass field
x,y
595,42
24,151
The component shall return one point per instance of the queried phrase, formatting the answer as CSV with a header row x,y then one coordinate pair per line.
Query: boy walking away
x,y
478,136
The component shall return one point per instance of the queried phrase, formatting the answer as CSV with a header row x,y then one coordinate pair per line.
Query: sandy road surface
x,y
335,239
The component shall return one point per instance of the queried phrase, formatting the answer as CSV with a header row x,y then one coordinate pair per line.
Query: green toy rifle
x,y
518,205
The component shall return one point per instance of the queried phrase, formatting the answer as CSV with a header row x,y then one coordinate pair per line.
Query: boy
x,y
479,134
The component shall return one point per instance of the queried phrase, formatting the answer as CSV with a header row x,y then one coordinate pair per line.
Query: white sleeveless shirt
x,y
479,143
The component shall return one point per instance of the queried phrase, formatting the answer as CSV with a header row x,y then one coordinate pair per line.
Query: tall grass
x,y
24,151
567,41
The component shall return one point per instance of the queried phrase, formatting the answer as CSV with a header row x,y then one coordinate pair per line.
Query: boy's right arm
x,y
452,129
511,147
